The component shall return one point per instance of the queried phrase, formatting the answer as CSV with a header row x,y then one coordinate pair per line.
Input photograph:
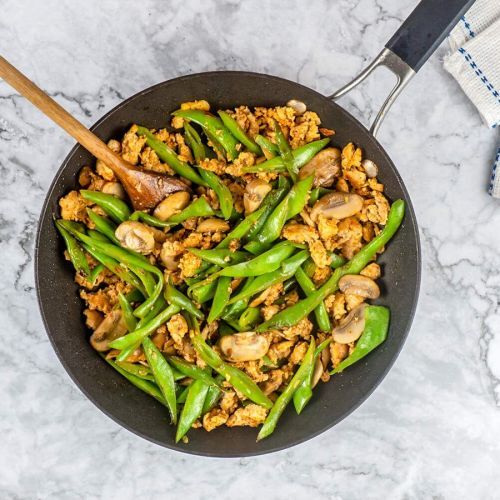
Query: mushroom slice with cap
x,y
112,327
245,346
136,236
172,205
337,205
359,285
351,327
255,192
114,188
212,225
317,372
325,166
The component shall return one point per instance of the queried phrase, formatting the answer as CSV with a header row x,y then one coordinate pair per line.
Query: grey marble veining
x,y
431,430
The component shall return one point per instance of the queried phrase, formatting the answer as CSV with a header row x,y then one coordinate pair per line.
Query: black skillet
x,y
61,308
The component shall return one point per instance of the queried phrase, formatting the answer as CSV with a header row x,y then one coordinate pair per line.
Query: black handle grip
x,y
425,29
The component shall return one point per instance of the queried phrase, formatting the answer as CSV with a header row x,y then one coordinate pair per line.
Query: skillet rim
x,y
409,212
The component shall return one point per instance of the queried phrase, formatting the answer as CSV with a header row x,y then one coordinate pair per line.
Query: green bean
x,y
304,392
292,315
128,312
144,385
134,295
151,220
239,380
192,408
221,190
225,329
76,254
301,156
192,371
103,225
221,257
177,298
198,208
233,127
183,395
97,235
168,155
249,318
320,312
285,151
95,272
193,140
203,293
213,396
221,298
136,369
117,209
163,375
316,194
374,333
264,281
144,331
236,307
212,126
265,263
269,149
298,196
285,397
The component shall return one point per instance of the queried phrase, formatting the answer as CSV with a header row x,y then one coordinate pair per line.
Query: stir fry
x,y
249,283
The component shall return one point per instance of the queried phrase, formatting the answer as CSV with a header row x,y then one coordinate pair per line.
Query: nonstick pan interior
x,y
62,309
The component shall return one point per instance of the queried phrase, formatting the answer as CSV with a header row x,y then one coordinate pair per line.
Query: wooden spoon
x,y
145,189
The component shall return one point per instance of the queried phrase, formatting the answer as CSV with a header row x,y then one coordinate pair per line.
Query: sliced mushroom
x,y
325,166
318,371
172,205
246,346
359,285
299,107
212,225
111,327
370,167
136,236
170,255
337,205
351,327
255,192
114,188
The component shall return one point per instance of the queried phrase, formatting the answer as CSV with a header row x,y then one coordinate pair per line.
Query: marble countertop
x,y
431,430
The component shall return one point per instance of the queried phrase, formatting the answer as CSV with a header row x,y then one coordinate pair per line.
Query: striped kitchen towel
x,y
475,64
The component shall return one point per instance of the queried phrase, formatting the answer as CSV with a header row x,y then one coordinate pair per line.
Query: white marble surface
x,y
431,430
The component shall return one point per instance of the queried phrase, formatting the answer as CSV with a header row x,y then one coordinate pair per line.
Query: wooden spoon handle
x,y
59,115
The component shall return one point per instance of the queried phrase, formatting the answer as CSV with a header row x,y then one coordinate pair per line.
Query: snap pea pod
x,y
265,263
181,399
221,257
291,205
144,331
336,261
263,282
221,298
221,190
292,315
285,397
203,293
285,151
226,329
301,156
192,409
134,296
115,267
253,223
103,225
97,235
233,127
320,312
236,307
192,371
213,395
136,369
375,332
163,375
176,297
117,209
168,155
239,380
269,149
249,318
198,208
304,392
151,220
212,126
128,312
144,385
75,252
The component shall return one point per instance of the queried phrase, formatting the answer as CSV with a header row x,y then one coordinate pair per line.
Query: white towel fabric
x,y
475,64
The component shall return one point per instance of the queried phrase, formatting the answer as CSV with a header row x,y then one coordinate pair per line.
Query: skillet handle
x,y
424,30
411,46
